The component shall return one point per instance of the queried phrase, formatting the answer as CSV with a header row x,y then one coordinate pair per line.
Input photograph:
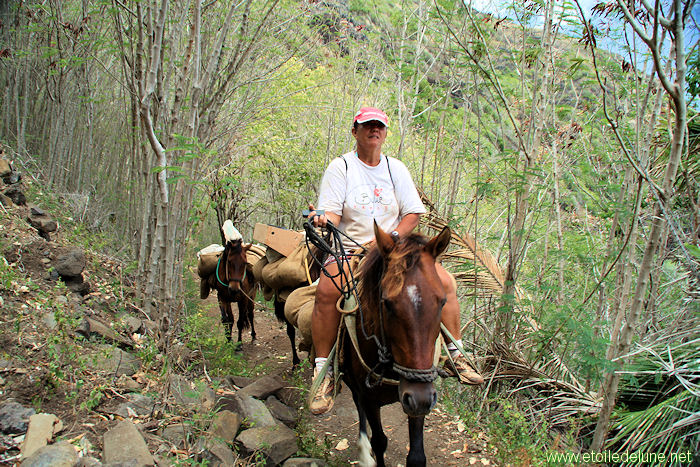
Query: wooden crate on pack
x,y
282,240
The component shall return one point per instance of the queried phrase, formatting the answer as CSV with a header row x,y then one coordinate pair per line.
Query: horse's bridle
x,y
386,359
240,281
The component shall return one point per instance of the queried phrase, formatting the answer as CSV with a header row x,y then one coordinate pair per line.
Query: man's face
x,y
370,134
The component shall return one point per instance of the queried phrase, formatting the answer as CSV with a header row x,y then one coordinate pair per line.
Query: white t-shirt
x,y
361,194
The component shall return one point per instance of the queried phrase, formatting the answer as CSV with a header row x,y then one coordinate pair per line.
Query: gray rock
x,y
277,442
61,454
185,393
42,427
262,387
17,197
281,412
49,320
97,327
14,417
41,222
70,263
13,178
303,462
116,361
225,426
132,324
137,404
240,381
77,285
88,462
215,452
176,433
253,411
124,443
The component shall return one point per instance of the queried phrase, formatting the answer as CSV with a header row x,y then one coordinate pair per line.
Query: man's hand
x,y
315,219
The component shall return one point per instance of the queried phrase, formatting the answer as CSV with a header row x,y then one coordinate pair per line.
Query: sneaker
x,y
462,370
323,400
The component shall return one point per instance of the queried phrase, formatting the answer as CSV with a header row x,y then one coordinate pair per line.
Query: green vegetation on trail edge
x,y
513,436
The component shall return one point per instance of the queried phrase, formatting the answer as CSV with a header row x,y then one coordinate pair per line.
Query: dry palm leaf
x,y
486,276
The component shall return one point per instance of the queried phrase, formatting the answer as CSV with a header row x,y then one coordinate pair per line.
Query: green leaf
x,y
693,250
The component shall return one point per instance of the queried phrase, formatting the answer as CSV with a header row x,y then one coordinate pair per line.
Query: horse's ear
x,y
246,246
384,240
438,244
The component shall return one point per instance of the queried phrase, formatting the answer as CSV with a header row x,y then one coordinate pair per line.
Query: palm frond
x,y
487,276
665,378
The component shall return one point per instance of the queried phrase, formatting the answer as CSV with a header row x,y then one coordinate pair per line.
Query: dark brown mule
x,y
397,324
234,282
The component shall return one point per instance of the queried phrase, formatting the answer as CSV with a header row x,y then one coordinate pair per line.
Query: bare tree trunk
x,y
676,92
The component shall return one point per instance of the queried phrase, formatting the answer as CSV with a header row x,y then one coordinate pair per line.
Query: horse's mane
x,y
374,278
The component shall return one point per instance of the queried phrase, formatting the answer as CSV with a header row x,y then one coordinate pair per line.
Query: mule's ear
x,y
438,244
384,240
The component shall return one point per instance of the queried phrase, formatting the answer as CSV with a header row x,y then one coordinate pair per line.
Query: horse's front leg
x,y
379,439
364,448
226,318
416,453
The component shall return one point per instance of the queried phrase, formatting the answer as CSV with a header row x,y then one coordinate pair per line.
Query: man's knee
x,y
326,295
448,280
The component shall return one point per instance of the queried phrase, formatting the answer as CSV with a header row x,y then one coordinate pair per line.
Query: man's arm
x,y
407,224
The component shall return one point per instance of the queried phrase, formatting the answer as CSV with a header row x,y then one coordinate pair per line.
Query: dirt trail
x,y
446,441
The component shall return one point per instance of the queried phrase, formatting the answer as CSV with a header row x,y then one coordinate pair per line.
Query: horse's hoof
x,y
238,346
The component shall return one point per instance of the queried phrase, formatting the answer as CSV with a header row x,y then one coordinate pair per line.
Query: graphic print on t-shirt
x,y
370,200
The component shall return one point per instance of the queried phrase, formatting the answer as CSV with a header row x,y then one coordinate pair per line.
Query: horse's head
x,y
411,297
235,262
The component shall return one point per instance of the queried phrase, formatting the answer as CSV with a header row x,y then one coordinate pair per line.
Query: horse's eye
x,y
442,302
389,306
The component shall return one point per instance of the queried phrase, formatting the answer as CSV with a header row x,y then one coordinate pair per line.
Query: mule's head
x,y
235,263
412,297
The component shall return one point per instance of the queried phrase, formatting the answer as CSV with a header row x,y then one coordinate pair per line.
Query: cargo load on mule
x,y
287,266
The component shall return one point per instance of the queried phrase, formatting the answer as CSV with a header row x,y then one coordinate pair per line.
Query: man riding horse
x,y
359,188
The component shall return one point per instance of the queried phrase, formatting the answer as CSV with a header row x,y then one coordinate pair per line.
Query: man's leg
x,y
451,320
324,330
325,318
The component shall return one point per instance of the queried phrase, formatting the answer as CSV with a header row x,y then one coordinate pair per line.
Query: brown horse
x,y
233,281
397,325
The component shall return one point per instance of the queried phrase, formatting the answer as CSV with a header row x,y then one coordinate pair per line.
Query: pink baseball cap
x,y
367,114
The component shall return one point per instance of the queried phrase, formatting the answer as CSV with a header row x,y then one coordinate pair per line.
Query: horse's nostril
x,y
408,402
